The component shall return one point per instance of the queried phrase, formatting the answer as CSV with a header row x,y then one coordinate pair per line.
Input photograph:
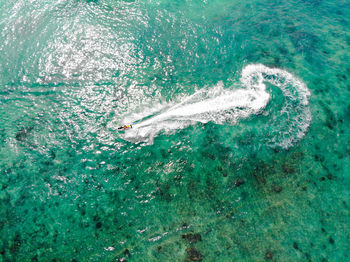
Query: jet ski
x,y
125,127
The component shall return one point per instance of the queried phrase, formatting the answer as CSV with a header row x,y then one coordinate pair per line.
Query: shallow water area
x,y
239,147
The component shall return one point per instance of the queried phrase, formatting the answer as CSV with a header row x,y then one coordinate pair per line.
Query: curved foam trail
x,y
293,120
224,106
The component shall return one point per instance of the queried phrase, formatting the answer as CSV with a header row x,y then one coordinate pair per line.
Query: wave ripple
x,y
226,106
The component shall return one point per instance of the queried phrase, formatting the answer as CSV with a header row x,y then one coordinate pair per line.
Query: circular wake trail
x,y
224,106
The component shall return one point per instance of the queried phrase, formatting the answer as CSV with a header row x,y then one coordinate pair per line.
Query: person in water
x,y
124,127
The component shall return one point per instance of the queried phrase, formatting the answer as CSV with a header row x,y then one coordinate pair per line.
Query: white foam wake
x,y
225,106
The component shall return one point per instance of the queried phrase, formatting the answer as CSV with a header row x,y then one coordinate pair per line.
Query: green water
x,y
73,188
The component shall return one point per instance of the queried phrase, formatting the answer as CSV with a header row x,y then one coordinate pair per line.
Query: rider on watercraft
x,y
124,127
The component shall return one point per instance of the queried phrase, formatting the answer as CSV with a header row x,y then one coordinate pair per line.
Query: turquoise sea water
x,y
240,145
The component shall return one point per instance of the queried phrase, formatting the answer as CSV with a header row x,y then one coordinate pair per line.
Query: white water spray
x,y
224,106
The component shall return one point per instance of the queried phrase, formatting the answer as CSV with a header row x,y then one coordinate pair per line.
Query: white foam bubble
x,y
226,106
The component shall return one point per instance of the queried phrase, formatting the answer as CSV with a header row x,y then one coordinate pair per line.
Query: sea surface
x,y
240,145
